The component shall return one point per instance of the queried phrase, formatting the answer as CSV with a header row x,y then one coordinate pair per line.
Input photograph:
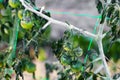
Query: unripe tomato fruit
x,y
21,35
76,66
67,46
26,25
20,14
65,60
14,3
30,67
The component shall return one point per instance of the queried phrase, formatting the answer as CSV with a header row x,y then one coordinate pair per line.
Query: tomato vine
x,y
25,29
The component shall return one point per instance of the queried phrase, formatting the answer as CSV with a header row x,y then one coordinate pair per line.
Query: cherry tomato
x,y
67,46
26,25
14,3
76,66
20,14
65,60
21,35
30,67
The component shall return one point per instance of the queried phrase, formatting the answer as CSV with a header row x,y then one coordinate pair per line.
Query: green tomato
x,y
67,46
21,35
30,67
14,3
76,66
65,60
20,14
26,25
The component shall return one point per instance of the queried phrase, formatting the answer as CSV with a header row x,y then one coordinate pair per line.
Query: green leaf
x,y
103,17
8,71
99,5
115,51
110,10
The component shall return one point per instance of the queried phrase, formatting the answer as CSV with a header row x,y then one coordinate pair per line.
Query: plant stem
x,y
96,71
30,8
97,37
46,25
100,46
99,69
103,58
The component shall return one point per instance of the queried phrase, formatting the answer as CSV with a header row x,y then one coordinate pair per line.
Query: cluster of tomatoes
x,y
69,54
24,16
8,10
25,65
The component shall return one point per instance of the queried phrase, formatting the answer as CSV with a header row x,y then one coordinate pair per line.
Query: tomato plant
x,y
25,29
17,27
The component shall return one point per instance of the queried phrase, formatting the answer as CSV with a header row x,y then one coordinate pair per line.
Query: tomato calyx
x,y
78,51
